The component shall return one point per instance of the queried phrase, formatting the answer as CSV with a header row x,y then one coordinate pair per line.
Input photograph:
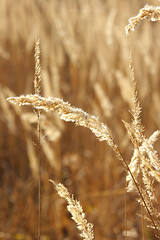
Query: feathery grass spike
x,y
37,76
145,161
151,13
76,211
67,113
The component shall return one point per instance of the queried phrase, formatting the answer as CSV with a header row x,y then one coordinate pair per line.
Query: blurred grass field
x,y
84,60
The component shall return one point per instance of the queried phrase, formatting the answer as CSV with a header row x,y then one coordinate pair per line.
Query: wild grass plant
x,y
64,72
145,160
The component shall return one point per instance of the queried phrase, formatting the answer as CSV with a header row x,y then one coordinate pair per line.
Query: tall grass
x,y
145,159
90,76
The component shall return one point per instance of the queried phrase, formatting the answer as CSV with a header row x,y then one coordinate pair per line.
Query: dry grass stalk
x,y
76,211
145,161
7,117
37,81
28,120
151,13
37,76
103,99
56,55
81,118
67,113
